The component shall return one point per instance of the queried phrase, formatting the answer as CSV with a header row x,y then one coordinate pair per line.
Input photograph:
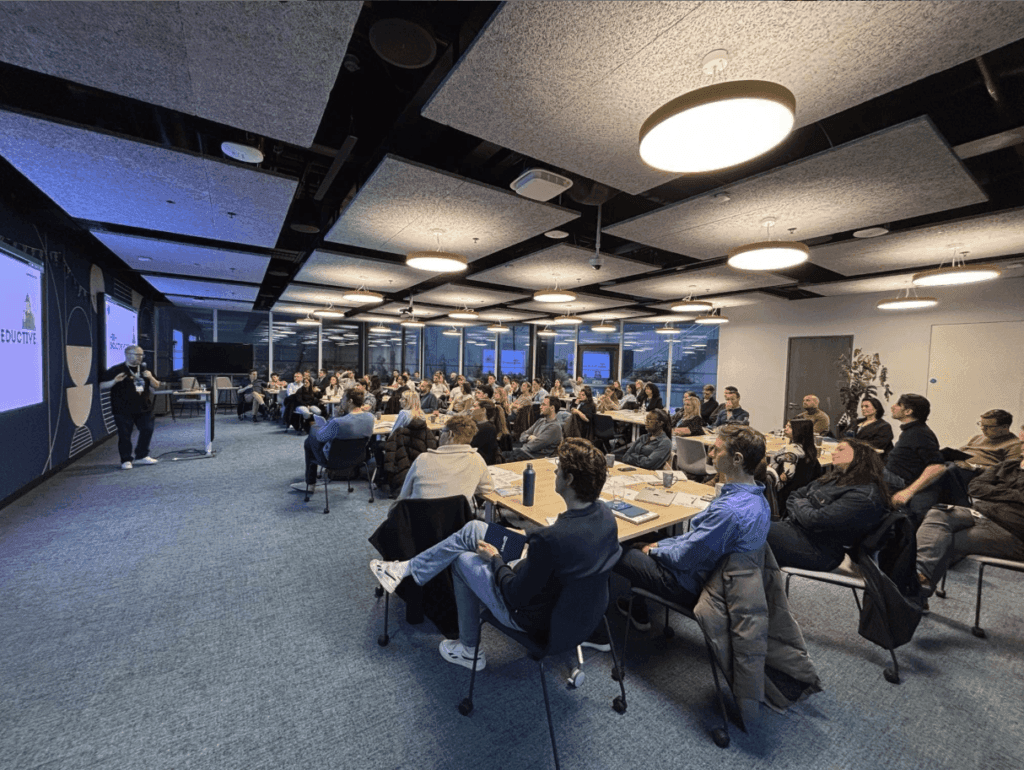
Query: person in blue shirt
x,y
731,412
737,521
355,424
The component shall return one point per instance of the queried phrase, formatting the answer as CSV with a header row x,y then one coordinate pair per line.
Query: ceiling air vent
x,y
539,185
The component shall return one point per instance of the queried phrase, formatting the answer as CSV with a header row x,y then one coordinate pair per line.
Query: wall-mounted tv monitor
x,y
219,358
118,328
21,331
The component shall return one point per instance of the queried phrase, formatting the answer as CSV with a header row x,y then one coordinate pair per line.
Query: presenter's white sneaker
x,y
126,466
147,460
453,651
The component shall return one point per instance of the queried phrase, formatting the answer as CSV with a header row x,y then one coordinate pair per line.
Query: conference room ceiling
x,y
909,116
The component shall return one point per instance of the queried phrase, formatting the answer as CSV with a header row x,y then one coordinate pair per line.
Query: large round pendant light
x,y
554,295
956,273
768,255
717,126
604,327
906,303
362,297
412,323
567,320
307,321
464,315
713,318
666,329
437,261
546,332
380,328
689,305
328,312
451,333
498,328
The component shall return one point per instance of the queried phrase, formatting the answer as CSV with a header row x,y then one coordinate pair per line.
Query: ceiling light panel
x,y
315,295
267,68
209,304
457,296
902,172
149,255
628,59
983,237
565,265
104,178
584,303
323,267
189,288
402,203
712,280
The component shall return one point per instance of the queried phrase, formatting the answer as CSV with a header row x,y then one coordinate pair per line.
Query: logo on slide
x,y
29,321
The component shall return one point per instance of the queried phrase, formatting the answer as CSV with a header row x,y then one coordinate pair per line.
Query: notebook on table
x,y
656,496
632,513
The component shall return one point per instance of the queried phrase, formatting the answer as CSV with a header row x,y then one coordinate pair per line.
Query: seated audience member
x,y
581,543
307,399
251,394
580,423
915,462
524,400
992,526
652,398
688,421
607,402
709,404
395,381
438,388
462,398
629,397
538,391
796,464
454,468
410,408
501,399
407,441
577,385
347,380
994,445
322,380
814,414
486,439
506,383
640,388
558,391
872,427
333,389
374,389
731,412
428,401
290,398
543,437
652,450
369,400
735,522
484,391
826,518
355,424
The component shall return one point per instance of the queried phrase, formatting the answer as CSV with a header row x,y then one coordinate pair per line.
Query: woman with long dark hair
x,y
581,422
833,513
796,464
653,397
872,427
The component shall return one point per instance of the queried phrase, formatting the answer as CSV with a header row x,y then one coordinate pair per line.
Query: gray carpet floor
x,y
198,614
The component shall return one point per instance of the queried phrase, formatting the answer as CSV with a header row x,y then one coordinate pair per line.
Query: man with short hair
x,y
582,543
736,521
454,468
251,394
347,381
731,413
993,524
994,445
354,424
708,406
131,405
439,389
289,400
428,401
543,437
323,380
915,461
814,414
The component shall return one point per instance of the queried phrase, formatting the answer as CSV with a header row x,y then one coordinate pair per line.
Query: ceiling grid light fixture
x,y
604,327
437,261
328,312
713,318
691,305
498,328
453,332
546,332
719,125
768,254
308,321
957,273
666,329
465,314
567,320
906,300
554,295
361,296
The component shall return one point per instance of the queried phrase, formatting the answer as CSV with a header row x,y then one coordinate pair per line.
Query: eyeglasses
x,y
983,425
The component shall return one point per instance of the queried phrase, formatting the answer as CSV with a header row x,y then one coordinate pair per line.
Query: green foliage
x,y
862,377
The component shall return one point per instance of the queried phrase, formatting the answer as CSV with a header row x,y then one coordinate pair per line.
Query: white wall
x,y
754,345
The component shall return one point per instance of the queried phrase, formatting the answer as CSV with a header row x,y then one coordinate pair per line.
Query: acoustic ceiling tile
x,y
398,308
209,304
267,68
613,315
455,295
735,300
1012,267
701,282
898,173
188,288
584,303
522,84
982,237
565,265
151,255
319,296
351,272
402,203
504,315
103,178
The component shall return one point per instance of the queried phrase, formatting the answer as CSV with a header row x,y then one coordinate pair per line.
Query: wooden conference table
x,y
548,504
772,444
384,424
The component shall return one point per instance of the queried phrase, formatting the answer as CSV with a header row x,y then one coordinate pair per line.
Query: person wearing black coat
x,y
404,446
872,427
833,513
653,398
709,404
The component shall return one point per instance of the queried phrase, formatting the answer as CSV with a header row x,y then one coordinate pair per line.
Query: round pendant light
x,y
956,276
567,320
554,295
362,297
769,254
307,321
412,323
906,303
717,126
666,329
604,327
497,328
380,329
546,332
328,312
438,261
465,314
692,306
451,333
713,318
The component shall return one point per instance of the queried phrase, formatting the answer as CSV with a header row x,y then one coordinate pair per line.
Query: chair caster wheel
x,y
619,704
941,594
325,511
617,673
576,678
979,632
379,591
668,633
891,676
383,640
306,499
720,737
466,707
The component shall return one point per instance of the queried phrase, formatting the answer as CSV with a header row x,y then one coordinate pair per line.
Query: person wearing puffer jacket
x,y
404,446
833,513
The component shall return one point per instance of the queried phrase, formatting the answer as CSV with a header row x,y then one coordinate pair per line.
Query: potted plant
x,y
862,376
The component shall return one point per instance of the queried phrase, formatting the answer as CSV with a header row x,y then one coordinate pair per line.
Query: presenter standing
x,y
131,402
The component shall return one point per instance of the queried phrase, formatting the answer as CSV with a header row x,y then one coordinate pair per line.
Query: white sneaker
x,y
453,651
147,460
126,466
389,573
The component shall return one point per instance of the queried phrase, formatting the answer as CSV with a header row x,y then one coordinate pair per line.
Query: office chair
x,y
691,458
982,561
604,432
224,385
346,455
188,383
580,607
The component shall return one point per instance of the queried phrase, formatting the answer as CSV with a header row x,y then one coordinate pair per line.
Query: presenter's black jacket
x,y
124,399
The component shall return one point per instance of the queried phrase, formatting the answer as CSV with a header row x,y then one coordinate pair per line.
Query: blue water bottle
x,y
529,484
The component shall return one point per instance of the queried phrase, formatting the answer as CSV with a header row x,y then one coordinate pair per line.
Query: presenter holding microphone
x,y
131,402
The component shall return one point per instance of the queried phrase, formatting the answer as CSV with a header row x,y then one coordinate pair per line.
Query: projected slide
x,y
597,365
122,331
21,333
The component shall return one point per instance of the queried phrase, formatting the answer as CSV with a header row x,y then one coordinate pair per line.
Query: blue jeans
x,y
125,423
472,576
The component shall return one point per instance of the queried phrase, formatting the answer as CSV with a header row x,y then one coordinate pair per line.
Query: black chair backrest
x,y
604,426
577,612
534,413
347,453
